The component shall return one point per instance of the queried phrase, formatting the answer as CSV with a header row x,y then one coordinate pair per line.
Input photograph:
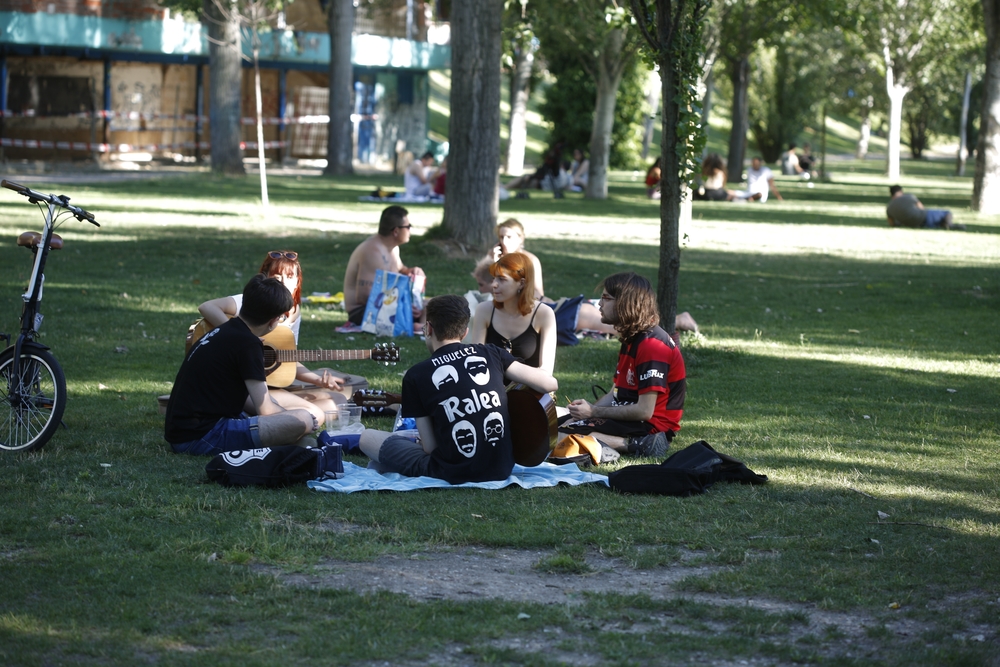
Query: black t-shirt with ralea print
x,y
461,388
211,382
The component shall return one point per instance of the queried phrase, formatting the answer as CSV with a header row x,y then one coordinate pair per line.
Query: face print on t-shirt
x,y
444,375
493,426
478,370
464,436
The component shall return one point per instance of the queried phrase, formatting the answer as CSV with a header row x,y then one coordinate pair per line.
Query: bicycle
x,y
32,383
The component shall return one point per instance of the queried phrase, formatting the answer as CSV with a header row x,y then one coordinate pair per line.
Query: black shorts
x,y
356,315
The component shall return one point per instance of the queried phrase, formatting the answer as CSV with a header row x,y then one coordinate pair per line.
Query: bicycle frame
x,y
31,318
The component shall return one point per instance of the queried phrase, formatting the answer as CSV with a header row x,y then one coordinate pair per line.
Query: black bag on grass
x,y
685,473
273,466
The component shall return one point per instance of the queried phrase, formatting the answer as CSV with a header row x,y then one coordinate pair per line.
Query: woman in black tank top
x,y
513,320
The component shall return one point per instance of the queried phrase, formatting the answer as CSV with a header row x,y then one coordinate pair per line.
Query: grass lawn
x,y
856,365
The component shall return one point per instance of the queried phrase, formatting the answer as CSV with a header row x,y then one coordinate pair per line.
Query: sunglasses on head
x,y
274,254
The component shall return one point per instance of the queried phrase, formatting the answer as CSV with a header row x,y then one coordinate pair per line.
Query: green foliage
x,y
569,107
787,84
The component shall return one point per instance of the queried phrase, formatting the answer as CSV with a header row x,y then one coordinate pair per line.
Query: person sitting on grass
x,y
905,210
317,391
459,401
418,181
515,320
205,414
378,251
641,414
760,181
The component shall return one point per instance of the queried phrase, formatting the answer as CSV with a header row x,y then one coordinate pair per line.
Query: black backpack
x,y
685,473
273,466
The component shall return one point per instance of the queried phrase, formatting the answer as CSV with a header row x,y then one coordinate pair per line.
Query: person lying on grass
x,y
642,412
905,210
226,367
459,402
573,314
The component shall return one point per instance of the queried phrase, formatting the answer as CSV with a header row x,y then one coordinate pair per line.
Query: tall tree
x,y
225,85
520,45
745,24
599,34
672,30
986,185
899,31
472,204
340,137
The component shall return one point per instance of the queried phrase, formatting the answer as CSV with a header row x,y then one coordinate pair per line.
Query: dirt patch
x,y
477,574
466,574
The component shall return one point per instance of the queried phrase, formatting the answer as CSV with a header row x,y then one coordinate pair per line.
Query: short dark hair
x,y
426,155
635,303
448,315
893,189
392,217
791,147
264,299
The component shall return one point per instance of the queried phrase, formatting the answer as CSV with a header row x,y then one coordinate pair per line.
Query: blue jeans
x,y
935,218
227,435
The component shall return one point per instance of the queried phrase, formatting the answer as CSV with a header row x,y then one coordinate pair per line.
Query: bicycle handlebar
x,y
59,200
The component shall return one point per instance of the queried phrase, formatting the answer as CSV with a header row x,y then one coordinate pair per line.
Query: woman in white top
x,y
323,394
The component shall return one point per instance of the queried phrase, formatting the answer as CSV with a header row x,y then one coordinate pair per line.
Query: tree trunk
x,y
653,101
471,205
671,195
866,130
340,137
259,105
706,104
225,79
963,125
896,94
609,77
517,128
986,186
739,74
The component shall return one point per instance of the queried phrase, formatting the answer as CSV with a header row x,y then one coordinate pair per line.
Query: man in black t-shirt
x,y
459,401
223,372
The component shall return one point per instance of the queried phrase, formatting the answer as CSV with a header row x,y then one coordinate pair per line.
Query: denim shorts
x,y
227,435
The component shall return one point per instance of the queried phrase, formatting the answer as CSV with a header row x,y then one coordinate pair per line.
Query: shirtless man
x,y
378,251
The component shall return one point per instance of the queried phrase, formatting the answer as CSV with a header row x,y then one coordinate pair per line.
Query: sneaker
x,y
654,445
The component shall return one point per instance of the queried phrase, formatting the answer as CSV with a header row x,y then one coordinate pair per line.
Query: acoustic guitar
x,y
281,357
533,422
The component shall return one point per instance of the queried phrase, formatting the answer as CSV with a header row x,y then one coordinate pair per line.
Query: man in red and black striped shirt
x,y
643,411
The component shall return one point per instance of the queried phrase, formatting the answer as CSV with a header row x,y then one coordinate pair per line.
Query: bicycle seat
x,y
32,239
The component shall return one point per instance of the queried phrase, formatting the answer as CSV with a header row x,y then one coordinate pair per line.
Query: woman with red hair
x,y
514,320
317,392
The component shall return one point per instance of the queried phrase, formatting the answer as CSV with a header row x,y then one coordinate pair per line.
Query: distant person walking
x,y
905,210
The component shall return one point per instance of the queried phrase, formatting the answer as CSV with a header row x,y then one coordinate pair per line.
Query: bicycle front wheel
x,y
32,400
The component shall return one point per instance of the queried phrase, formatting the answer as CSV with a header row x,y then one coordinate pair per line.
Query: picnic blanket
x,y
357,478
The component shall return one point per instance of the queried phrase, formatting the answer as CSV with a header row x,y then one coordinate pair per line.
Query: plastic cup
x,y
355,413
331,422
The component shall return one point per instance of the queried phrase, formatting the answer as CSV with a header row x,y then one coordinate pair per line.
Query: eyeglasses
x,y
404,227
275,254
607,297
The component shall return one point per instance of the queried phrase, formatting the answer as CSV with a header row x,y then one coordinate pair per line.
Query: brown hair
x,y
517,266
448,316
279,267
635,303
512,223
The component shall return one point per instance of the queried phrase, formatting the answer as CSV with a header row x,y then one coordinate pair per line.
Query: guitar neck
x,y
321,355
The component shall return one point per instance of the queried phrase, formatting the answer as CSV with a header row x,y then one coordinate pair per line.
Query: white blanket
x,y
357,478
